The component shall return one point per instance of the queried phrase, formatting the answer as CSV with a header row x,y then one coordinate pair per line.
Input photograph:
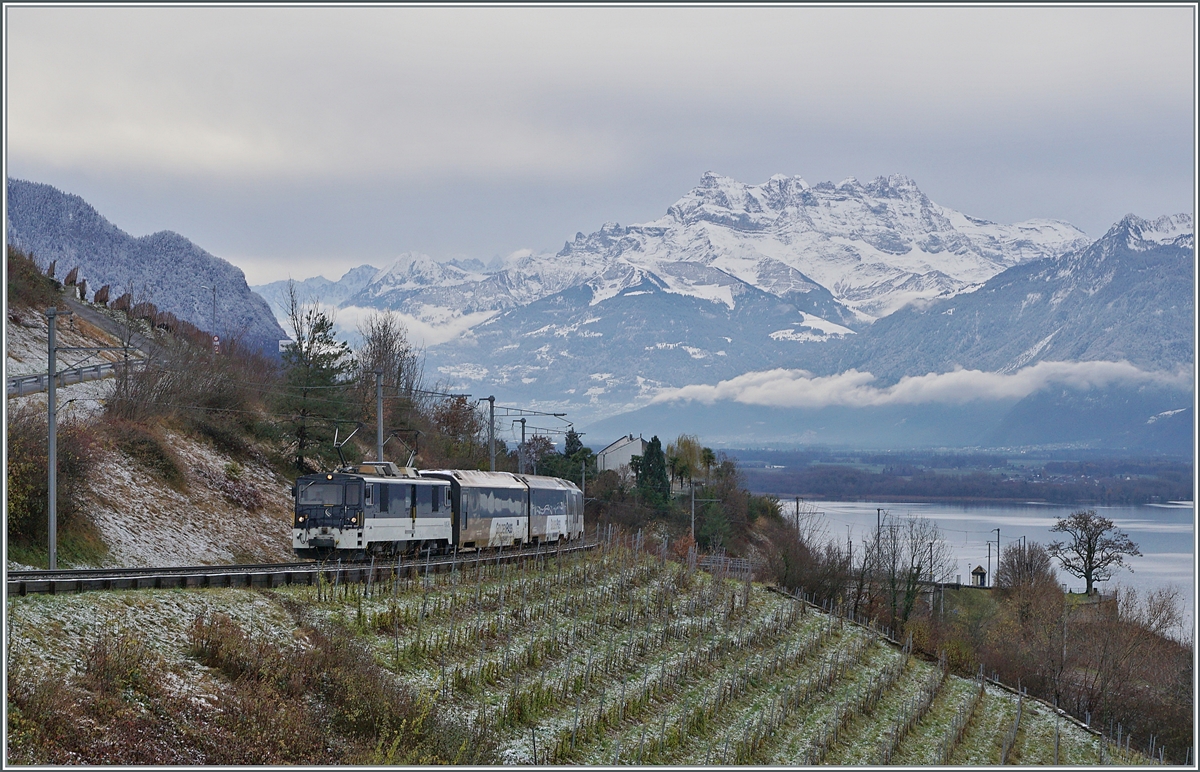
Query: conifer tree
x,y
316,366
651,471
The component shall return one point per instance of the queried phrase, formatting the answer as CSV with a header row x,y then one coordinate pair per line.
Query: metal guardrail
x,y
21,385
63,582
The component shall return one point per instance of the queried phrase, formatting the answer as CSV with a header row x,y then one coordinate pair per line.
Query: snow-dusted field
x,y
147,523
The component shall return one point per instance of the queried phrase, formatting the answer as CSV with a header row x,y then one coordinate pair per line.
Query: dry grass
x,y
322,700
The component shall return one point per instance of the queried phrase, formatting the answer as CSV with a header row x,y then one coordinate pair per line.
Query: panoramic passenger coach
x,y
380,509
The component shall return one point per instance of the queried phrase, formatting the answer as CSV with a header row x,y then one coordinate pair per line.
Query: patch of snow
x,y
824,325
467,370
1163,230
1164,414
798,336
1025,357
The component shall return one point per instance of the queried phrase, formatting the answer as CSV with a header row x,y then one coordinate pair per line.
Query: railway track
x,y
61,582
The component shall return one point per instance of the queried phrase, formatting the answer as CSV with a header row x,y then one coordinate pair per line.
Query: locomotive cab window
x,y
353,494
369,489
321,495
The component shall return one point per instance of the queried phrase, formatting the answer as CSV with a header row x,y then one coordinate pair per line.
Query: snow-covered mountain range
x,y
164,268
1127,297
843,255
872,248
1093,349
733,277
841,282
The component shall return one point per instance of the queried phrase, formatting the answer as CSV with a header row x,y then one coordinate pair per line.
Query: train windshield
x,y
321,495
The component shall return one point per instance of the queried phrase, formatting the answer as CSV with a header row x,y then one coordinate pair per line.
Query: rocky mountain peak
x,y
894,186
1144,234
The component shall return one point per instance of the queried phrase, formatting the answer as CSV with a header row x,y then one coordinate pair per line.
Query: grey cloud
x,y
336,136
253,91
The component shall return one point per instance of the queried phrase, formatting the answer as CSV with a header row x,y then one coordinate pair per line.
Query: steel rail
x,y
259,575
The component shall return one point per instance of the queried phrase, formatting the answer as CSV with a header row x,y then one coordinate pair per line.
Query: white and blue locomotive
x,y
377,508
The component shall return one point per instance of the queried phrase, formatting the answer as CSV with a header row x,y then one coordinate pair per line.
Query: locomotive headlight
x,y
353,520
301,519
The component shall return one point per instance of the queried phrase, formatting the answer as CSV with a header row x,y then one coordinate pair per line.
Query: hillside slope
x,y
219,510
609,658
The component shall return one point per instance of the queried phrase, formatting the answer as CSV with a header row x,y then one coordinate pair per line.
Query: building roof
x,y
620,443
979,570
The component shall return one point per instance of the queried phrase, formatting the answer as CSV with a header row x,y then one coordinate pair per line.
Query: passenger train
x,y
377,508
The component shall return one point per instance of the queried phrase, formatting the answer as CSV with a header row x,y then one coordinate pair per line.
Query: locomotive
x,y
378,508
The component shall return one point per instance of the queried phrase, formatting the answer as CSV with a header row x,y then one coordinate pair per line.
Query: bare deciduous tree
x,y
387,350
1025,565
386,347
1095,549
461,426
910,551
538,448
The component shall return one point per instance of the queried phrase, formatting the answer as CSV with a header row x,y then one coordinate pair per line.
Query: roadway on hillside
x,y
145,346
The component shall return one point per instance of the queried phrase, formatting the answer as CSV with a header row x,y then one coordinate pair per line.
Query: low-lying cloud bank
x,y
799,388
422,332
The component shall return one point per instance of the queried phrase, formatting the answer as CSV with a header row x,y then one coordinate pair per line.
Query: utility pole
x,y
52,442
521,454
214,315
52,349
492,431
989,573
997,530
379,415
693,485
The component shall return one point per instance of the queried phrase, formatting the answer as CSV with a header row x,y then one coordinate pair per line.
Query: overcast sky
x,y
298,141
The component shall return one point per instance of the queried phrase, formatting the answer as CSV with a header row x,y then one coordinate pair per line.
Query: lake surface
x,y
1165,534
